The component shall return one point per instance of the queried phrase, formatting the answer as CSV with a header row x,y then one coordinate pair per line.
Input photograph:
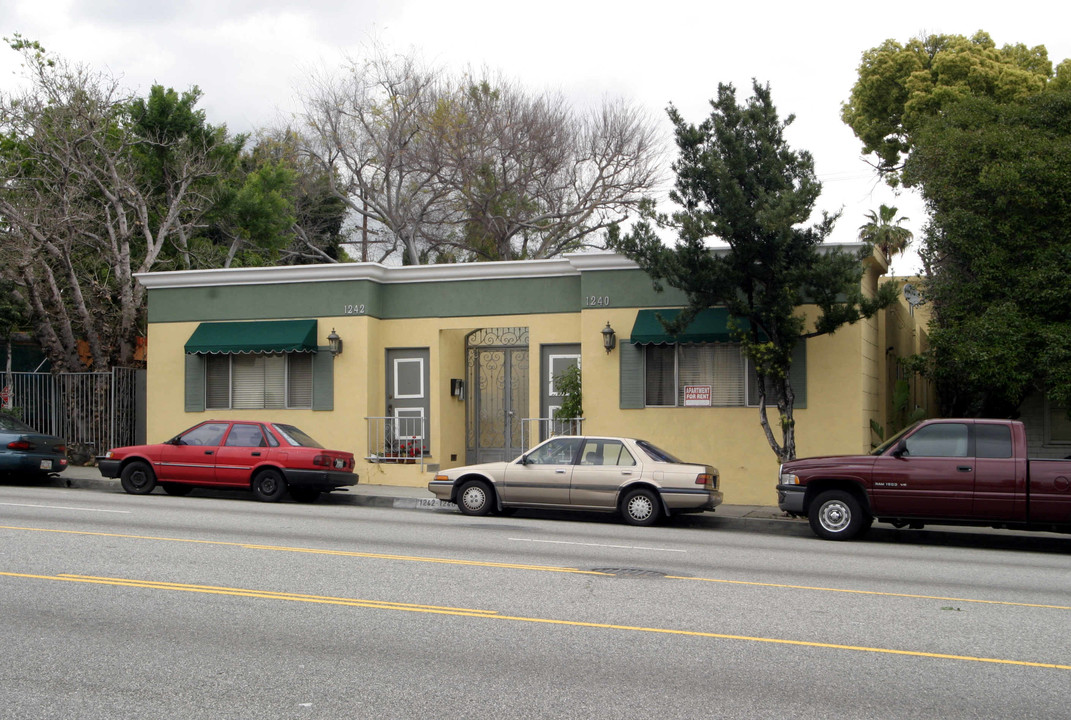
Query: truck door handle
x,y
965,468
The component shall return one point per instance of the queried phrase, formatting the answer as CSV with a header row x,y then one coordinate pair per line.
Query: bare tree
x,y
475,168
534,179
77,217
372,130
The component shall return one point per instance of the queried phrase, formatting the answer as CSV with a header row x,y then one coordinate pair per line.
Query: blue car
x,y
26,452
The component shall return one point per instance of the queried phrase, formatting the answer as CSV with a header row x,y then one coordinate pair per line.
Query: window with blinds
x,y
260,381
669,368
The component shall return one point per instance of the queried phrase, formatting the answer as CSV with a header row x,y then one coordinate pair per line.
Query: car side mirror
x,y
900,450
524,459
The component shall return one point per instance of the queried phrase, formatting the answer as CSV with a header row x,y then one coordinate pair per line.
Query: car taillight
x,y
322,460
703,479
20,445
61,449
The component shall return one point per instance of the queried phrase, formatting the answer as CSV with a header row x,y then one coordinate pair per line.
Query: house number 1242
x,y
354,309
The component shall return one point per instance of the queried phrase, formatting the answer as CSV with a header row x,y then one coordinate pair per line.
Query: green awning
x,y
709,326
260,336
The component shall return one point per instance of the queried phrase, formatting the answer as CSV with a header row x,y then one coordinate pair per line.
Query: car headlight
x,y
788,478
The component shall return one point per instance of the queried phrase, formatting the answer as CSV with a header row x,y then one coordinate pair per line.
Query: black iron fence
x,y
92,411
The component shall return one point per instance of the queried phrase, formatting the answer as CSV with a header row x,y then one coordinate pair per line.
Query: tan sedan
x,y
608,474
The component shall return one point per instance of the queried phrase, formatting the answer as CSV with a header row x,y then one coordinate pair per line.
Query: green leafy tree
x,y
996,177
884,231
739,181
983,134
901,85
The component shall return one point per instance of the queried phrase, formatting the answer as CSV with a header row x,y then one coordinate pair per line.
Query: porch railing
x,y
397,440
536,430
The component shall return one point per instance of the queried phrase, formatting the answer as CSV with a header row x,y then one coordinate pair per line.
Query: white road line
x,y
63,507
619,547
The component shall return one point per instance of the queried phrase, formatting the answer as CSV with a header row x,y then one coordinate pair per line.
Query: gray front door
x,y
407,401
554,360
498,401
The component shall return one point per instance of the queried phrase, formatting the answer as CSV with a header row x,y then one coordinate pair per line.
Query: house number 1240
x,y
598,301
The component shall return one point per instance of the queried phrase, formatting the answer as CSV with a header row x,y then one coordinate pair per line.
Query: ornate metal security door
x,y
498,398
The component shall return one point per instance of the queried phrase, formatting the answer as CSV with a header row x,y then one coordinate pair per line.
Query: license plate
x,y
340,463
46,464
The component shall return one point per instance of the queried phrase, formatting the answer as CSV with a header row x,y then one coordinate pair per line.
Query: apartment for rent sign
x,y
697,395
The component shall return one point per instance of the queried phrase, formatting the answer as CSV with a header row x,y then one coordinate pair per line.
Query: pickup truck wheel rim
x,y
835,516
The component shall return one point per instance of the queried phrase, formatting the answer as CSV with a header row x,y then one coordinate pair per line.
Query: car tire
x,y
640,507
304,495
177,489
474,498
838,515
138,478
269,486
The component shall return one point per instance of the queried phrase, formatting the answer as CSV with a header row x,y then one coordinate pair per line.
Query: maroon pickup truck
x,y
941,472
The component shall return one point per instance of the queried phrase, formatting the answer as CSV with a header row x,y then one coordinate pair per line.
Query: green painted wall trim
x,y
464,298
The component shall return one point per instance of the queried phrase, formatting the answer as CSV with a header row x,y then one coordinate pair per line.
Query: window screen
x,y
263,381
669,368
661,375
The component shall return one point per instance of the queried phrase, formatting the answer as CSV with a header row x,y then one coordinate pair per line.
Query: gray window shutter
x,y
323,379
195,383
631,375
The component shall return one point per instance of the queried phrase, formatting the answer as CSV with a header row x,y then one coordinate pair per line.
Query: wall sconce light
x,y
609,338
335,343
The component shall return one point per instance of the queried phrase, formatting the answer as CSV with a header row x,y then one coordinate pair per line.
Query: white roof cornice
x,y
569,265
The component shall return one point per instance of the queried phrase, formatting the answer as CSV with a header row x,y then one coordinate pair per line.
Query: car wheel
x,y
269,486
177,489
474,498
304,495
640,507
138,478
838,515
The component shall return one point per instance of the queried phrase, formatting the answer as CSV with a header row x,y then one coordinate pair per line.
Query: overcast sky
x,y
249,57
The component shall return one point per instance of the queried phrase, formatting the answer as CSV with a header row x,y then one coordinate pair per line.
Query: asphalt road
x,y
216,606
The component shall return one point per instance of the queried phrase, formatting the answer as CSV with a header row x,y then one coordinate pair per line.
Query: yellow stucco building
x,y
439,366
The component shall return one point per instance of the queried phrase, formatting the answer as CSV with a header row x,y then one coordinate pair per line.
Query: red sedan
x,y
268,458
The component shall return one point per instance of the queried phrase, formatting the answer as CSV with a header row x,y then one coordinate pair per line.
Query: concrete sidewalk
x,y
410,498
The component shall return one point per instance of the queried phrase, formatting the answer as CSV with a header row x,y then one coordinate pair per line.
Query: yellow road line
x,y
538,568
491,615
870,592
345,553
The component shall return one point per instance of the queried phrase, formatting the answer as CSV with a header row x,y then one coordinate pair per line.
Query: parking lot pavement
x,y
409,498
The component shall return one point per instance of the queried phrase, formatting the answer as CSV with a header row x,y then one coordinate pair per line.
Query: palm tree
x,y
883,232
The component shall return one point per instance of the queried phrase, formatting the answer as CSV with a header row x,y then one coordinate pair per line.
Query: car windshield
x,y
880,449
656,453
10,424
295,436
